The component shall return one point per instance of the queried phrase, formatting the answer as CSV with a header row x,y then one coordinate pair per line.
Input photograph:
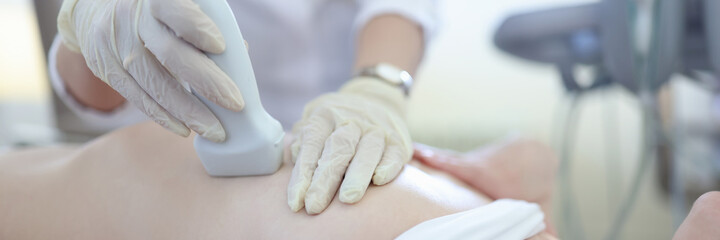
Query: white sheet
x,y
503,219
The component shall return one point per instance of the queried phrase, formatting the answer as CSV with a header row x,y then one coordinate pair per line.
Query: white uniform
x,y
299,50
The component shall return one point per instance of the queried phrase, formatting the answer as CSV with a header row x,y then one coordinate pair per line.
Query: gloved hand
x,y
359,133
147,51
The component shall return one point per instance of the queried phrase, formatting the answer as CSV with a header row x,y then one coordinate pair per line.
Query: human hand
x,y
512,168
358,133
147,51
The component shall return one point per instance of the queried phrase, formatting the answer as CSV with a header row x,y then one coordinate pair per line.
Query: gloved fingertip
x,y
216,134
312,211
219,45
216,47
385,174
232,99
379,179
237,103
296,196
183,131
295,206
351,195
211,39
175,127
294,150
314,206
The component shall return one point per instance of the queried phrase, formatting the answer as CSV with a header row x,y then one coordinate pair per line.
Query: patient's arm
x,y
145,183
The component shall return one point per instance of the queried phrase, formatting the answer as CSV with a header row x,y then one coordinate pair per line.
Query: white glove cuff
x,y
391,96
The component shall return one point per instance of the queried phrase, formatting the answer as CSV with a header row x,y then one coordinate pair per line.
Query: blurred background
x,y
468,93
25,115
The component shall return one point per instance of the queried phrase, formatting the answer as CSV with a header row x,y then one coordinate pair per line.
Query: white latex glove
x,y
147,50
358,133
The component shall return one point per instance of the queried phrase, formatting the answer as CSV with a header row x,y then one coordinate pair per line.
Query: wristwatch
x,y
389,74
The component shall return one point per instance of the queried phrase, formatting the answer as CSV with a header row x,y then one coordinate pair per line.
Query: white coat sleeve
x,y
504,219
423,12
94,120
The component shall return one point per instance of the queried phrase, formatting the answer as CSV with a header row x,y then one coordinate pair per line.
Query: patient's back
x,y
144,183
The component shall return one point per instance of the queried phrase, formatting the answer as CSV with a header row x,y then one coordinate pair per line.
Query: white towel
x,y
502,219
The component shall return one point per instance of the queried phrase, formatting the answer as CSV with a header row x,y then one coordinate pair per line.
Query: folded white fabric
x,y
502,219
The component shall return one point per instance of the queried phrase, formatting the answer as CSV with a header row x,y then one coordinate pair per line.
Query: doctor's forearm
x,y
82,85
390,39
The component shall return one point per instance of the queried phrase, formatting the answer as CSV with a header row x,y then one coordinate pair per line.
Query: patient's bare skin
x,y
145,183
